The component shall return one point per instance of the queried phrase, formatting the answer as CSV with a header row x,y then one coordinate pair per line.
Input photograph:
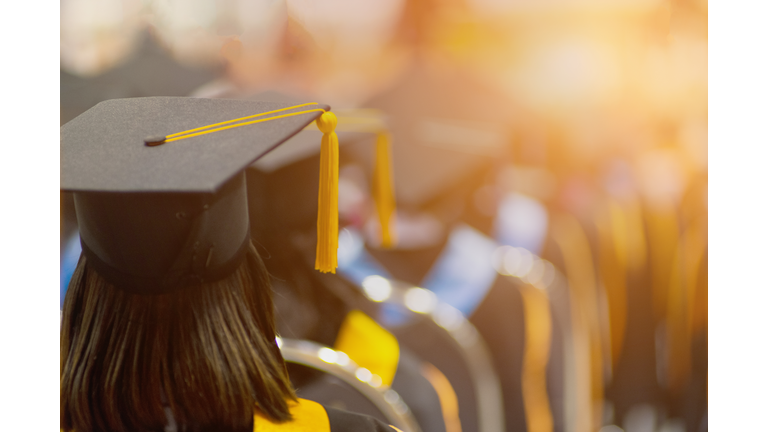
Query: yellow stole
x,y
308,416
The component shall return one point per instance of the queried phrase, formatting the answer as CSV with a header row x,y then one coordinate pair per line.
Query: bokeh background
x,y
608,137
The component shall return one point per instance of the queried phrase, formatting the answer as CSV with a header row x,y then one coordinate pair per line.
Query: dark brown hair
x,y
207,353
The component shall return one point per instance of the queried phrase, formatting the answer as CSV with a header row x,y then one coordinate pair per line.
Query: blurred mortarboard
x,y
304,145
445,126
159,187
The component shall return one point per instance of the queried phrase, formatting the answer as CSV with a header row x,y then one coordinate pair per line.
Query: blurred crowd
x,y
549,160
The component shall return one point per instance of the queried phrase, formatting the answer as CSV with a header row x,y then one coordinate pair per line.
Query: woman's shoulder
x,y
311,416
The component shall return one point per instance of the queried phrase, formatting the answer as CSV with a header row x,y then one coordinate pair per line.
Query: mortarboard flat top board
x,y
103,149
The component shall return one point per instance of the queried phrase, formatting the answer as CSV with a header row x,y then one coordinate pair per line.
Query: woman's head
x,y
170,305
206,353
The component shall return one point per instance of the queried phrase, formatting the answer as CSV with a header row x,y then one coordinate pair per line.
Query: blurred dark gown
x,y
498,314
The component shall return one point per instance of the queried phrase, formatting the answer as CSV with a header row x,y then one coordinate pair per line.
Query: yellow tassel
x,y
383,192
328,196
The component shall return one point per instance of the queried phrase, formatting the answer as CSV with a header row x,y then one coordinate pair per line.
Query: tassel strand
x,y
328,196
383,192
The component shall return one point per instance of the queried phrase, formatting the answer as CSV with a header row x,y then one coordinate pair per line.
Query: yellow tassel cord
x,y
328,196
383,192
189,133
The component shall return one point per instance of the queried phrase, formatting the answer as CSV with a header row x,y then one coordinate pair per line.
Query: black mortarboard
x,y
446,126
157,211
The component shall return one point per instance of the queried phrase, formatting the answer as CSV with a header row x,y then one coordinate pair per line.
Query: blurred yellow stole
x,y
369,345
